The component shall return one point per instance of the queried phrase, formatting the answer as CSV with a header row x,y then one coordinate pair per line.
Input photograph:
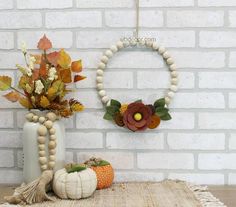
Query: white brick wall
x,y
197,145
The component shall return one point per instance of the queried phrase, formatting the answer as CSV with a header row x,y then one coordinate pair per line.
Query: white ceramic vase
x,y
31,168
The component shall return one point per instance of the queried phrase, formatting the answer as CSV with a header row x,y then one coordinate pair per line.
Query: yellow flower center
x,y
138,116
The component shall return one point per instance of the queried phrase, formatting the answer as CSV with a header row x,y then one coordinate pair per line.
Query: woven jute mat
x,y
167,193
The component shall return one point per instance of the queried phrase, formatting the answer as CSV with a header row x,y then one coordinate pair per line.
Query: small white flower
x,y
39,87
28,71
52,74
32,61
23,47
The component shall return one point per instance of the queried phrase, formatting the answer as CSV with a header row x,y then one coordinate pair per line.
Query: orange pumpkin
x,y
103,170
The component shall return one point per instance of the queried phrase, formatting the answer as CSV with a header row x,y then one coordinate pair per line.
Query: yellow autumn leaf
x,y
12,96
25,103
76,66
5,83
64,59
44,102
52,93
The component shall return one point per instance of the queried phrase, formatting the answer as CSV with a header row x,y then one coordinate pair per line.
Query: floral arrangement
x,y
137,116
44,81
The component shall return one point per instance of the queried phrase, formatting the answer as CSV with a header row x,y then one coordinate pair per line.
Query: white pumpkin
x,y
74,185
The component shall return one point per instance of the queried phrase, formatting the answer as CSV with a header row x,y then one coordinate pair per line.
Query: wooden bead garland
x,y
148,44
45,127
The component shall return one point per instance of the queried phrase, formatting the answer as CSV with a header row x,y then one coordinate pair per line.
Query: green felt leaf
x,y
161,111
76,168
115,103
159,103
108,116
112,109
138,101
166,117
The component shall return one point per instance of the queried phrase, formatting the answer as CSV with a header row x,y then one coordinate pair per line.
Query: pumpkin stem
x,y
95,162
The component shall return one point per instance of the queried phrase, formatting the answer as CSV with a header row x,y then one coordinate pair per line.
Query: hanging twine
x,y
137,20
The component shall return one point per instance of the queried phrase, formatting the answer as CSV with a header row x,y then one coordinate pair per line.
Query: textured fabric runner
x,y
167,193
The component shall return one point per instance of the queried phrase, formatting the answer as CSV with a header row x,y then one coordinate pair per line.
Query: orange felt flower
x,y
123,108
155,122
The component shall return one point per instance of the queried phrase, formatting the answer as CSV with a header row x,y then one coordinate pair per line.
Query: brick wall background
x,y
198,145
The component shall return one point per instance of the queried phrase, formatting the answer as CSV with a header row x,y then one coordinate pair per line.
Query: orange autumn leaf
x,y
44,102
25,103
64,59
53,57
35,74
76,66
43,69
12,96
78,78
44,43
66,76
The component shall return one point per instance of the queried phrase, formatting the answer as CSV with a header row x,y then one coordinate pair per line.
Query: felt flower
x,y
123,108
119,120
155,122
137,117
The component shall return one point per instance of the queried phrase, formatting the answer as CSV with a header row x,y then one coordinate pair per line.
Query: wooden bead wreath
x,y
137,116
46,124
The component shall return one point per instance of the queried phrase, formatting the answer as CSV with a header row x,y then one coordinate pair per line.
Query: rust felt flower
x,y
137,117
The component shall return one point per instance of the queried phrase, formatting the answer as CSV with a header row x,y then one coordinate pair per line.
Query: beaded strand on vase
x,y
46,125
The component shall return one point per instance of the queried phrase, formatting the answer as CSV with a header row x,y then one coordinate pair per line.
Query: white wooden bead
x,y
174,74
99,79
43,160
48,124
104,59
41,140
169,61
155,46
105,99
35,118
167,100
51,165
29,116
173,88
52,158
52,152
120,45
114,49
109,53
41,147
52,131
133,43
166,55
170,94
102,93
149,43
174,81
126,44
52,145
41,120
173,67
100,86
44,167
42,153
100,72
141,42
101,65
53,137
161,50
42,130
51,116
